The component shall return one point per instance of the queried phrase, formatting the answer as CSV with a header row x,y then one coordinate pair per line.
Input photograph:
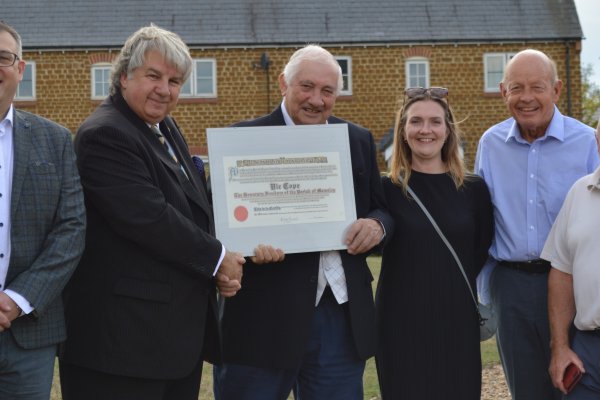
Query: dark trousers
x,y
78,383
520,300
330,369
25,374
587,346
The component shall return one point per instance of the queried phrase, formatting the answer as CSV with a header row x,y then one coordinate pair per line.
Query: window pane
x,y
346,67
417,74
201,82
494,79
204,78
494,65
186,89
25,88
204,86
106,81
204,69
101,81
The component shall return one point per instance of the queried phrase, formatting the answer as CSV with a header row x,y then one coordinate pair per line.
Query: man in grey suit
x,y
42,225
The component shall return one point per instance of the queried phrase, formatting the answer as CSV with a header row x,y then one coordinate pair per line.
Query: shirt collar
x,y
556,129
7,122
286,117
595,177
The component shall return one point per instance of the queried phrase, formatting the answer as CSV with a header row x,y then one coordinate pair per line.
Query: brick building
x,y
241,46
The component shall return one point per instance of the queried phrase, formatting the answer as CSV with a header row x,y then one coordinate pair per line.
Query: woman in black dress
x,y
427,324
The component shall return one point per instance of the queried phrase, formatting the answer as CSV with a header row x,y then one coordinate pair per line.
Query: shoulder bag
x,y
487,319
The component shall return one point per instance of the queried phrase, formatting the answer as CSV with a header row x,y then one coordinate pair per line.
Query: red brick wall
x,y
64,93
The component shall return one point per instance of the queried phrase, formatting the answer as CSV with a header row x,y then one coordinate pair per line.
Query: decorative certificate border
x,y
287,186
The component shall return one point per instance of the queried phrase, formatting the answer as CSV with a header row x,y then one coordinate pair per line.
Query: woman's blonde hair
x,y
401,167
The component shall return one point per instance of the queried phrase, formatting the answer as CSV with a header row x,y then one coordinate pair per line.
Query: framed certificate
x,y
286,186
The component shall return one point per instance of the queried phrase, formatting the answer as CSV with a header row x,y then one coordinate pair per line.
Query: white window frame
x,y
97,67
193,79
488,86
346,91
19,96
418,61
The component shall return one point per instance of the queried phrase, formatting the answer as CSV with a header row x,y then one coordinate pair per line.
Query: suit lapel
x,y
22,148
276,117
193,191
193,187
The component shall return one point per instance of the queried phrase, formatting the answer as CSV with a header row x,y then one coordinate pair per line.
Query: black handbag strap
x,y
443,237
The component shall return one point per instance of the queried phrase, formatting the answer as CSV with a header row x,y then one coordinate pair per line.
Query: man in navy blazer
x,y
42,226
141,307
307,323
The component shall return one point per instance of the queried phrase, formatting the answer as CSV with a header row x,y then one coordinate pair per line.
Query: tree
x,y
590,103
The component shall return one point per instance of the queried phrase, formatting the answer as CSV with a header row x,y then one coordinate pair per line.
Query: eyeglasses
x,y
7,59
437,92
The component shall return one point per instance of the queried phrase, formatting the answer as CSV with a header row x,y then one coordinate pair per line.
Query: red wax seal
x,y
240,213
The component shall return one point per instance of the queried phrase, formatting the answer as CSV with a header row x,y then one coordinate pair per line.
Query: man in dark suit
x,y
141,308
42,226
308,322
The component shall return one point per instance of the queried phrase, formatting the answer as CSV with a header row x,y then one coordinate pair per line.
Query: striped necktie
x,y
167,147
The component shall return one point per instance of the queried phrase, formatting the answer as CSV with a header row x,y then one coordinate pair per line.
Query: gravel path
x,y
493,384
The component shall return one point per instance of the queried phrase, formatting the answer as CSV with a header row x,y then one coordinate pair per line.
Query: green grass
x,y
489,353
489,357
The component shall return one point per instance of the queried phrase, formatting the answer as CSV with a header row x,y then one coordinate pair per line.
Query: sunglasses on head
x,y
434,92
438,92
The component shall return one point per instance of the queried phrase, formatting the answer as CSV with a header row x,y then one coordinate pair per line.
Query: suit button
x,y
313,279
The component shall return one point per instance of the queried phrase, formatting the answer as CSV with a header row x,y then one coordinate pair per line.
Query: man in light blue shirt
x,y
529,163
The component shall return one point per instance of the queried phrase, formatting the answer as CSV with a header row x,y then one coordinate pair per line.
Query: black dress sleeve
x,y
484,221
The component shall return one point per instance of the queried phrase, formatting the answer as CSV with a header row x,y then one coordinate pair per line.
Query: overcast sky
x,y
589,13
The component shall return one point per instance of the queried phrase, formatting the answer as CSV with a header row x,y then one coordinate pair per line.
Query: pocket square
x,y
199,164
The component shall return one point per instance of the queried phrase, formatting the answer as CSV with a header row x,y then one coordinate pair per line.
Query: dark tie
x,y
167,147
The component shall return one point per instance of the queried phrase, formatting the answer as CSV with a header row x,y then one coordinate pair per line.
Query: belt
x,y
538,266
595,331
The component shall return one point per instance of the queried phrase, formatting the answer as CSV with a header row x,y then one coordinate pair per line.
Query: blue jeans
x,y
330,369
25,374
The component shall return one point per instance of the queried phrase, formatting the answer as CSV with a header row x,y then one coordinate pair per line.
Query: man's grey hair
x,y
150,38
4,27
311,52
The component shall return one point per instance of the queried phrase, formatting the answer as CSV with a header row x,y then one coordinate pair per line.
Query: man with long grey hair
x,y
141,307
